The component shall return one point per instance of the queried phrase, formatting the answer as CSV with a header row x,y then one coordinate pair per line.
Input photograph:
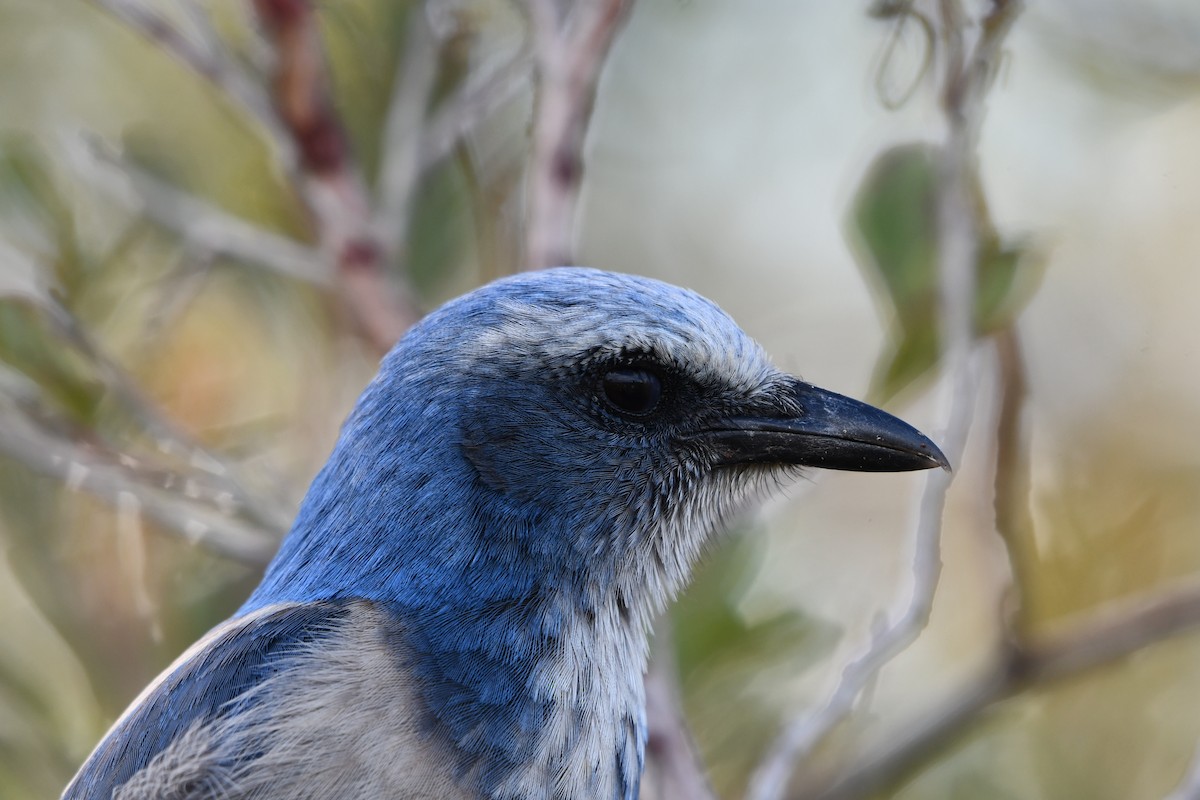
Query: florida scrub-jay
x,y
460,610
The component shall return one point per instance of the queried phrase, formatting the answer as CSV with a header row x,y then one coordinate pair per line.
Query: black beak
x,y
829,430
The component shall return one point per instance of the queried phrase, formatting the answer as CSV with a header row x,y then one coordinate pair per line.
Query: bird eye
x,y
632,391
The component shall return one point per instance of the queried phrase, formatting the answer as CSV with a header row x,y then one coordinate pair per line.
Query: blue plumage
x,y
209,684
470,578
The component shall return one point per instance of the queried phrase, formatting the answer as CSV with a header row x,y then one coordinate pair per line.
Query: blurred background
x,y
168,389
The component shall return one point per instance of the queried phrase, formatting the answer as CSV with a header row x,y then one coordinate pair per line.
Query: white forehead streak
x,y
675,327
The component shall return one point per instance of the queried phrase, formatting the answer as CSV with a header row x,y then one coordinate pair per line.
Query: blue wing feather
x,y
235,658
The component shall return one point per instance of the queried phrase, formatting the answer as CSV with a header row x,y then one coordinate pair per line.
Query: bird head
x,y
570,427
528,479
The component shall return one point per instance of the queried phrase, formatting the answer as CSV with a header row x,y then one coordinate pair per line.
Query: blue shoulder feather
x,y
237,657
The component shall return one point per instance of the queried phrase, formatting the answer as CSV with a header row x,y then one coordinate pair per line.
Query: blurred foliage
x,y
132,353
894,222
123,341
1125,731
1143,53
35,211
723,654
1121,523
67,379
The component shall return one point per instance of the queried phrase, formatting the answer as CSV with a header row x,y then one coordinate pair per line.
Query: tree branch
x,y
208,475
81,466
474,102
199,223
1083,643
404,132
674,770
330,183
570,54
801,737
1014,523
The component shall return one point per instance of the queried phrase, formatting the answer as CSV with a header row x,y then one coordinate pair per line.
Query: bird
x,y
461,608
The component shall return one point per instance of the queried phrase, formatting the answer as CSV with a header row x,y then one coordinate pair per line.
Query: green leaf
x,y
894,225
895,217
905,361
1007,277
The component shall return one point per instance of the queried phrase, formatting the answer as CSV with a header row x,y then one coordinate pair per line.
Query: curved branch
x,y
1085,643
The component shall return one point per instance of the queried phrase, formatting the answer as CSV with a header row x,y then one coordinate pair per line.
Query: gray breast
x,y
334,722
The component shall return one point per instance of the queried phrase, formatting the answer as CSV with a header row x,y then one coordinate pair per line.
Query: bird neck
x,y
529,660
524,612
540,698
533,674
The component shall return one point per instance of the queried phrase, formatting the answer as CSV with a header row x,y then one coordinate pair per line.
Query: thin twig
x,y
199,223
570,55
82,467
474,102
173,294
674,770
208,473
902,13
1086,642
403,134
22,277
1014,522
800,738
208,61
